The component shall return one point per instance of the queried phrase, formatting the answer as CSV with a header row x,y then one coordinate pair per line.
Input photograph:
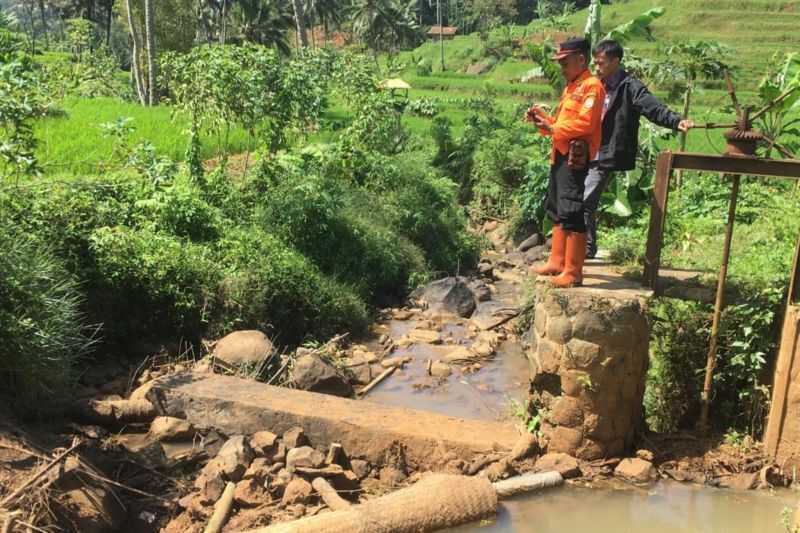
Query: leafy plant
x,y
782,122
21,102
424,107
677,353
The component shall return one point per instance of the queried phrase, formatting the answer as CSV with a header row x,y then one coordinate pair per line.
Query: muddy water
x,y
667,507
486,394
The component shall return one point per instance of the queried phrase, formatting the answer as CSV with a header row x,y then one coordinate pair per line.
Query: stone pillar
x,y
588,361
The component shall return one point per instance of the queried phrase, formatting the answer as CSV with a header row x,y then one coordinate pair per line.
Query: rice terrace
x,y
380,266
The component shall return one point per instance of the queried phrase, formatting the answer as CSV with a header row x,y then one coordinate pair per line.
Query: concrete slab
x,y
365,429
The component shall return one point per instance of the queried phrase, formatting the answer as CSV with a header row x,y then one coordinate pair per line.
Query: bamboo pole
x,y
221,510
718,306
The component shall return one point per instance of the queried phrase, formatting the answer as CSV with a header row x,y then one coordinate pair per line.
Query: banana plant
x,y
636,27
782,83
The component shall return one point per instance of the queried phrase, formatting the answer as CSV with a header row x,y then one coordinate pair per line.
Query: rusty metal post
x,y
718,305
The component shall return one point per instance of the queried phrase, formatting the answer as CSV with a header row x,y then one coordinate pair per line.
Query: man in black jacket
x,y
626,100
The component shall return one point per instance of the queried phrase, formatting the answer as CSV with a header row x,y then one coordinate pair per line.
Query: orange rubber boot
x,y
573,264
555,263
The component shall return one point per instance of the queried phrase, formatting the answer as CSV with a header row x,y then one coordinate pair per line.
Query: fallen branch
x,y
374,383
221,510
8,500
329,495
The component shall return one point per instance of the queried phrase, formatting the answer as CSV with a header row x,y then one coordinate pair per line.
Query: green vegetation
x,y
327,196
74,143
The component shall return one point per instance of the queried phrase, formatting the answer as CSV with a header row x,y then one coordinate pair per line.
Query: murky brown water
x,y
484,395
667,507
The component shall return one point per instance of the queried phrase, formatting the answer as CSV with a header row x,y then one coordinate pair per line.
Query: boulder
x,y
360,467
250,493
742,481
526,445
486,270
636,470
439,369
297,491
395,361
424,336
166,428
295,437
491,314
457,354
562,463
280,454
305,456
313,374
232,461
481,291
264,442
534,240
497,471
241,347
258,469
449,294
537,253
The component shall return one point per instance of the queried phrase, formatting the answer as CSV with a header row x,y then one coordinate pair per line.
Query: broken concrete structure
x,y
588,360
367,430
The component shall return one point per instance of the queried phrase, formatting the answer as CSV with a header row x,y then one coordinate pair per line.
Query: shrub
x,y
269,286
424,107
678,346
165,283
342,231
426,210
43,333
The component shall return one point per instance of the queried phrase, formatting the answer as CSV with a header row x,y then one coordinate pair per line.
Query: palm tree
x,y
300,19
150,38
327,12
264,22
384,24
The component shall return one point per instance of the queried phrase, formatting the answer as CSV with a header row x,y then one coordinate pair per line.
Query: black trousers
x,y
564,203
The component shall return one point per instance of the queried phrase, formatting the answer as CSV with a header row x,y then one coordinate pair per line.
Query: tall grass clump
x,y
43,333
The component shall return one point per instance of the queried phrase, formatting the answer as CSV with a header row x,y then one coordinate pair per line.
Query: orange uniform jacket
x,y
579,115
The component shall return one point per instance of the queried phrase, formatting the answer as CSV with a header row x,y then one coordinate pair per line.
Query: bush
x,y
344,232
43,333
678,346
165,282
271,287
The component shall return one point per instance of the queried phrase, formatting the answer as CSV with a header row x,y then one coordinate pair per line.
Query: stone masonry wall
x,y
588,360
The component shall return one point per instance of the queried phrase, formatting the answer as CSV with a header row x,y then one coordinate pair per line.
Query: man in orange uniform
x,y
576,129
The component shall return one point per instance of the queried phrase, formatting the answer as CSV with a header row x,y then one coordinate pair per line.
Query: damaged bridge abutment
x,y
588,361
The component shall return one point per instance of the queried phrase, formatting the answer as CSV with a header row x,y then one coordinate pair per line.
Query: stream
x,y
664,507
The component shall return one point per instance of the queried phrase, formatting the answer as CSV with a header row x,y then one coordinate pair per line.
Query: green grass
x,y
75,142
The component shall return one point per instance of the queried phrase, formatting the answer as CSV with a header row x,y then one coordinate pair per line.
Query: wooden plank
x,y
781,168
782,380
783,366
658,216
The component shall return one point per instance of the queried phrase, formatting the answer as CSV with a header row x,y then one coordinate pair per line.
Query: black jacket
x,y
621,123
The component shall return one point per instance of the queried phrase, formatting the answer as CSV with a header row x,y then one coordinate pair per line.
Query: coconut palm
x,y
384,24
326,12
264,22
